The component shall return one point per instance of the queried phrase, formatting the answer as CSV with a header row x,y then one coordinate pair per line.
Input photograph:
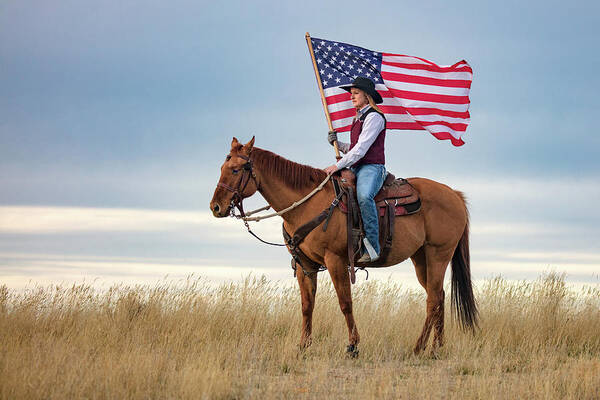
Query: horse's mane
x,y
299,176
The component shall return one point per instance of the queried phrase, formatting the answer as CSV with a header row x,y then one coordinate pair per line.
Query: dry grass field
x,y
192,340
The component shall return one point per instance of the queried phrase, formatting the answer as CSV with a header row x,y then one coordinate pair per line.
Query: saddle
x,y
397,197
394,190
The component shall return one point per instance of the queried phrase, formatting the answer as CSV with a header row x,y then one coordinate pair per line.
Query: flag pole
x,y
312,56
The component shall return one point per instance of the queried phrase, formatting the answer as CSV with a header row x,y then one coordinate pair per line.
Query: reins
x,y
238,198
280,213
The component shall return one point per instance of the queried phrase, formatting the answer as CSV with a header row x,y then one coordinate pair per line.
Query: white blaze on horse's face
x,y
236,181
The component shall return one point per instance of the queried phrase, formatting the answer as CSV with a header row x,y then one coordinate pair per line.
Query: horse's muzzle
x,y
219,211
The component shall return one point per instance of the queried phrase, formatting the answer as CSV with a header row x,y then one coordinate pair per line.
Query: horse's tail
x,y
463,302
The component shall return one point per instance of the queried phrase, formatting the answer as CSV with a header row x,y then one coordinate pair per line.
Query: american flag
x,y
417,94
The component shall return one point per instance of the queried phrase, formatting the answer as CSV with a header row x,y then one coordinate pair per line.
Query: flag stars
x,y
330,76
329,48
337,80
324,83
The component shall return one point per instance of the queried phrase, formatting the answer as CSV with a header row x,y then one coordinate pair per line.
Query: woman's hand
x,y
331,169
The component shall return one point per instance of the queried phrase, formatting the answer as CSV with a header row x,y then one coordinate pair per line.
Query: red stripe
x,y
424,60
447,136
338,98
409,126
425,111
436,111
455,126
399,110
456,83
344,128
347,113
393,109
404,126
428,67
436,98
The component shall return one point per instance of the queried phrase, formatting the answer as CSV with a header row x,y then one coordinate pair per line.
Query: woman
x,y
365,156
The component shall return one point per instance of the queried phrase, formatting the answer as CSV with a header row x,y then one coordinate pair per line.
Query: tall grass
x,y
194,340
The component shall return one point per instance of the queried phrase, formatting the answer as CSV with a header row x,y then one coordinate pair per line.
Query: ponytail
x,y
372,104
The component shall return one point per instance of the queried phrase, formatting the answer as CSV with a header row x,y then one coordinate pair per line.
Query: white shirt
x,y
372,126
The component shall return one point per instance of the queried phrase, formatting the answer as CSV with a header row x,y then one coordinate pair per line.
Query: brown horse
x,y
436,235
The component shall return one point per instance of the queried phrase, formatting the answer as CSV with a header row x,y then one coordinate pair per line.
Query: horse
x,y
432,238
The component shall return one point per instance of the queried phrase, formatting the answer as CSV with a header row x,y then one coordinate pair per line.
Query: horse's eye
x,y
235,171
227,158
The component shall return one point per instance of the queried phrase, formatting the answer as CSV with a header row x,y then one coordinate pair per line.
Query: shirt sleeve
x,y
372,126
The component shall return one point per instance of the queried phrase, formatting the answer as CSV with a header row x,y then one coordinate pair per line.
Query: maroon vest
x,y
376,153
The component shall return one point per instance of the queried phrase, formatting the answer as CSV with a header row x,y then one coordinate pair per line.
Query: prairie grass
x,y
194,340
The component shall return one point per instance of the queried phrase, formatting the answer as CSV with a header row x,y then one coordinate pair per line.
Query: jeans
x,y
369,179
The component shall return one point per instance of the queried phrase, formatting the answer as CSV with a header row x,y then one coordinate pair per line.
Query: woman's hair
x,y
372,103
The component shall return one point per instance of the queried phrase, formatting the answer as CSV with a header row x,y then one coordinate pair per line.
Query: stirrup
x,y
366,258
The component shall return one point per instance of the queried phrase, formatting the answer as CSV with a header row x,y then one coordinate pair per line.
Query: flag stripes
x,y
417,94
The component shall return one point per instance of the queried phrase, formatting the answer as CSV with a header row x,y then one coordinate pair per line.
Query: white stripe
x,y
399,118
429,89
430,104
442,128
332,91
404,59
344,105
413,60
338,123
466,76
434,117
388,117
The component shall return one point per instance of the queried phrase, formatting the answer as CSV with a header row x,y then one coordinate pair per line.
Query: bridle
x,y
238,191
238,195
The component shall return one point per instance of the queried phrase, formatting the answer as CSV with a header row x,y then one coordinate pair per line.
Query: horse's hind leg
x,y
418,260
341,281
437,262
308,289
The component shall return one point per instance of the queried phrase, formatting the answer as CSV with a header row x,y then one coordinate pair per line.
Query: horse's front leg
x,y
308,289
341,281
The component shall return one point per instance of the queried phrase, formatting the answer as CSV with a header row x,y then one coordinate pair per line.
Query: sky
x,y
115,118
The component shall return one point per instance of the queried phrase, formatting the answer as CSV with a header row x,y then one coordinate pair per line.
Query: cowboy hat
x,y
366,85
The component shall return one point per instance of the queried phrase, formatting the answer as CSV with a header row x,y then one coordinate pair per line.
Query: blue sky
x,y
123,111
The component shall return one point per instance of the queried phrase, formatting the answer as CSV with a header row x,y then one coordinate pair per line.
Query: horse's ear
x,y
234,143
248,146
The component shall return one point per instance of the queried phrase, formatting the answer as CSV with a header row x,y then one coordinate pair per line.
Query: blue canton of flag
x,y
341,63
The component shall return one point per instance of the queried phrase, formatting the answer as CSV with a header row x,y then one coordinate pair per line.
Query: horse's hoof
x,y
352,351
